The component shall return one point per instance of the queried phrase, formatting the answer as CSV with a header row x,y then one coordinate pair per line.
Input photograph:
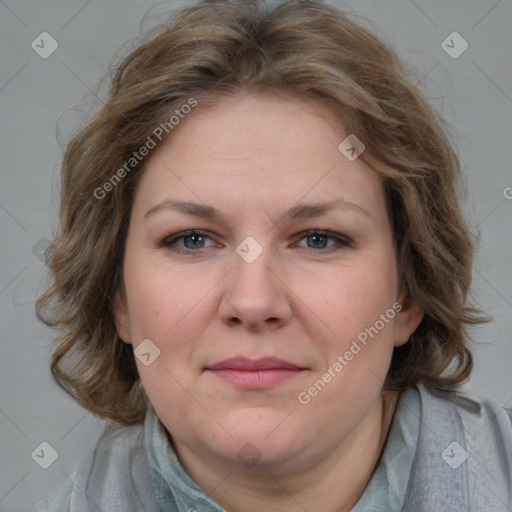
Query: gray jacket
x,y
463,463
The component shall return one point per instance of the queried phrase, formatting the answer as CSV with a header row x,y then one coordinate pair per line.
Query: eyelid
x,y
183,234
325,232
342,240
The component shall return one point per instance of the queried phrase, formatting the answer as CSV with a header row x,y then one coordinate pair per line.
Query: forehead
x,y
258,150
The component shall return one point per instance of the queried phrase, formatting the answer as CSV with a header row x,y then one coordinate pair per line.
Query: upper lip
x,y
246,364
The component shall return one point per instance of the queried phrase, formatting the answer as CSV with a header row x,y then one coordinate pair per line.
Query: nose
x,y
255,294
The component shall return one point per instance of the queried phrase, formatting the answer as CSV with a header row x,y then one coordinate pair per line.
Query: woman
x,y
262,279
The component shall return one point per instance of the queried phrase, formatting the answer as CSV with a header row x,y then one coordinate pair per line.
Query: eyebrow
x,y
300,211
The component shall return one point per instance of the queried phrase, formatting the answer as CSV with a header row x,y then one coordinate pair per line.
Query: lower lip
x,y
256,379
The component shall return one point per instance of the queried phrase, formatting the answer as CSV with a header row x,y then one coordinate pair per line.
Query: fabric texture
x,y
386,489
444,453
463,460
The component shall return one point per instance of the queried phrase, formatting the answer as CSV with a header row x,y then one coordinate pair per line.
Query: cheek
x,y
349,299
357,347
170,308
159,298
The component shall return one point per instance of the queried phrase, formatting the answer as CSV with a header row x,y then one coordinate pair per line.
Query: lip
x,y
259,373
246,364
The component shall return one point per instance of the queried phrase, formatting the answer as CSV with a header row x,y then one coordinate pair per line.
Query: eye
x,y
319,239
194,240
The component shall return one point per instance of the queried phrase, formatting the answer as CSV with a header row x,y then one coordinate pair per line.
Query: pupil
x,y
317,237
190,237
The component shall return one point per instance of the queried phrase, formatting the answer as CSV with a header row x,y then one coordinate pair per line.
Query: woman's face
x,y
247,281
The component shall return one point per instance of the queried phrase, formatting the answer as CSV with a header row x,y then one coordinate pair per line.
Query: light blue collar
x,y
388,485
176,491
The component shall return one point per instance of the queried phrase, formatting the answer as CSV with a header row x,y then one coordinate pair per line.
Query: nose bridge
x,y
253,292
252,274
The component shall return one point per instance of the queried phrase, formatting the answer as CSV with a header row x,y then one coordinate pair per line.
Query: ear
x,y
407,320
121,317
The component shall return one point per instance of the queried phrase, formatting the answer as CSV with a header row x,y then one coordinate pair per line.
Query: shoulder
x,y
479,425
114,452
118,441
475,411
508,410
62,499
116,449
463,455
481,407
464,399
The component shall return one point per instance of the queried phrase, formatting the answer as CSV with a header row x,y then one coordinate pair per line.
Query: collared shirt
x,y
385,491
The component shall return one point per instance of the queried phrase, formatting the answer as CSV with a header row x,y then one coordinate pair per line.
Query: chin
x,y
269,440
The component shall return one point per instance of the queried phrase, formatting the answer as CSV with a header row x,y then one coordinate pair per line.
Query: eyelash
x,y
342,242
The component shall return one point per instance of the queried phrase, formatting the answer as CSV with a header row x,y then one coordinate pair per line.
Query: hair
x,y
217,49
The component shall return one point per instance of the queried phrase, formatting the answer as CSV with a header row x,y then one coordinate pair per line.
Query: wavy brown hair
x,y
217,49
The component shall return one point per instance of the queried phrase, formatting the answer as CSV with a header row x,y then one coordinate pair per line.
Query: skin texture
x,y
302,299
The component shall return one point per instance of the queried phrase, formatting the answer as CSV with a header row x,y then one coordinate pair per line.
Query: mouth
x,y
255,373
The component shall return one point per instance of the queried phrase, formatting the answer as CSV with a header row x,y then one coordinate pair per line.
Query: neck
x,y
334,485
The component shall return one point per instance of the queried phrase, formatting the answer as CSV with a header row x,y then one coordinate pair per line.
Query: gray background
x,y
473,92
